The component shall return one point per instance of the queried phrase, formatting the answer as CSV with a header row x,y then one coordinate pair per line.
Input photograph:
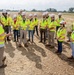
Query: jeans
x,y
72,47
15,35
42,32
36,29
59,46
31,34
6,28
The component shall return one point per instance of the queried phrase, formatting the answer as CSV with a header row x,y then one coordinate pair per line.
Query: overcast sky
x,y
37,4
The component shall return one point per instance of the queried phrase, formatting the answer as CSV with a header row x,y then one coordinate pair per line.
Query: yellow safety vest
x,y
52,26
36,21
2,36
72,37
24,25
61,34
4,21
31,25
16,25
72,26
43,24
58,21
9,20
19,18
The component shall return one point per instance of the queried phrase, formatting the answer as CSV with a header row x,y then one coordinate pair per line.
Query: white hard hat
x,y
52,15
46,13
4,11
8,13
14,16
35,14
30,15
23,13
62,22
59,14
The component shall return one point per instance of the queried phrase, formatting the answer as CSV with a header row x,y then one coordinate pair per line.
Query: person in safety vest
x,y
31,28
42,28
19,18
58,20
69,32
23,30
61,34
48,19
4,21
52,29
36,24
9,20
3,35
72,45
15,28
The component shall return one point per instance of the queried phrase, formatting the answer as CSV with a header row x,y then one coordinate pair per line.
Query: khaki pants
x,y
23,32
51,38
1,55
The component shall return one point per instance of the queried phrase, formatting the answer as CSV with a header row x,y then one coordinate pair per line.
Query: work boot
x,y
4,59
20,45
25,45
3,66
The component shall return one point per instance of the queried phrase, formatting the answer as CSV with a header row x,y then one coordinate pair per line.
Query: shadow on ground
x,y
29,52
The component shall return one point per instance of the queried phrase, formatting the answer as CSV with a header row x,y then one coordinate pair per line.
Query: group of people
x,y
48,28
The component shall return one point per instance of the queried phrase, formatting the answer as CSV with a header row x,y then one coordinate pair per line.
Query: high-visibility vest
x,y
31,25
58,21
2,35
72,37
43,24
61,34
49,19
52,26
36,21
24,25
4,21
19,18
73,27
9,21
16,24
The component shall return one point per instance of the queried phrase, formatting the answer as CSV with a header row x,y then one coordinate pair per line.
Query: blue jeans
x,y
72,47
59,46
31,34
15,35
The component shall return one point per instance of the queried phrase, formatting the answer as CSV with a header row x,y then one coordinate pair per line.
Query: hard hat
x,y
4,11
35,14
8,13
52,15
62,22
44,14
59,14
30,15
14,16
23,13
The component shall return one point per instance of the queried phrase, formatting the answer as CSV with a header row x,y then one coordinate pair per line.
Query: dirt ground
x,y
38,59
